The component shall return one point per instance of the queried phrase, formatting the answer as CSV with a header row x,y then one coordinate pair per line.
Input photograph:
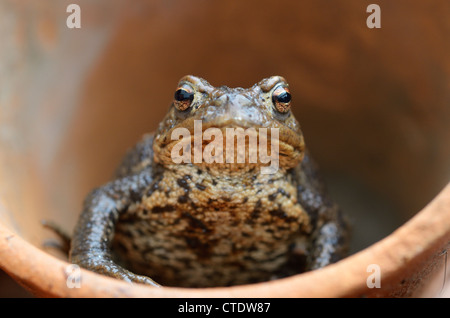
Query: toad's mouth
x,y
229,144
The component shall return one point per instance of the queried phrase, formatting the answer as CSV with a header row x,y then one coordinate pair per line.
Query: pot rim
x,y
406,258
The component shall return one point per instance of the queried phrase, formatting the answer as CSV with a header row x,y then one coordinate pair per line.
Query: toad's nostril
x,y
242,100
221,100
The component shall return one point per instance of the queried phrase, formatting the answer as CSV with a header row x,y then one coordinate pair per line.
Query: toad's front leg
x,y
331,235
94,232
330,239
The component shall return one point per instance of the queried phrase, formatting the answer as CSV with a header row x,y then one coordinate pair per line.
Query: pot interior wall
x,y
373,104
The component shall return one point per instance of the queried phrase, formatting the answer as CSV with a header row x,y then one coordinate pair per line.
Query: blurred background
x,y
374,104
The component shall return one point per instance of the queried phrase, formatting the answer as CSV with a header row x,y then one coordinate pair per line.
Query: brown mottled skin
x,y
199,225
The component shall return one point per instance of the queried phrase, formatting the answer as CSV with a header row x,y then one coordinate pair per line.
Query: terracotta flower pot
x,y
373,104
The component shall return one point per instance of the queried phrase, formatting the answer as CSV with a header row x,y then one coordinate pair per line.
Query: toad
x,y
218,222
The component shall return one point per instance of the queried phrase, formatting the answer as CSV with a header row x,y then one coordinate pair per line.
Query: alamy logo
x,y
374,19
73,273
374,279
73,21
256,149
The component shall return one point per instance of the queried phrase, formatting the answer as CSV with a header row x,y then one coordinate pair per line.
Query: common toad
x,y
205,224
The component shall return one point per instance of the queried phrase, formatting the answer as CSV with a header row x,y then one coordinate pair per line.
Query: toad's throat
x,y
212,145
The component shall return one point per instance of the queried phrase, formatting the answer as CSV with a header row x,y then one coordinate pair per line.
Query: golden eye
x,y
281,98
183,97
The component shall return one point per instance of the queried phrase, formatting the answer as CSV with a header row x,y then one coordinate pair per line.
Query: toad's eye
x,y
183,97
281,98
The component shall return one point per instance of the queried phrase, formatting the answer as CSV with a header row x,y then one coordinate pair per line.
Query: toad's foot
x,y
107,267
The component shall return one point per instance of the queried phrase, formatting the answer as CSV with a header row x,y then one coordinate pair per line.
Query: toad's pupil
x,y
183,95
284,97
